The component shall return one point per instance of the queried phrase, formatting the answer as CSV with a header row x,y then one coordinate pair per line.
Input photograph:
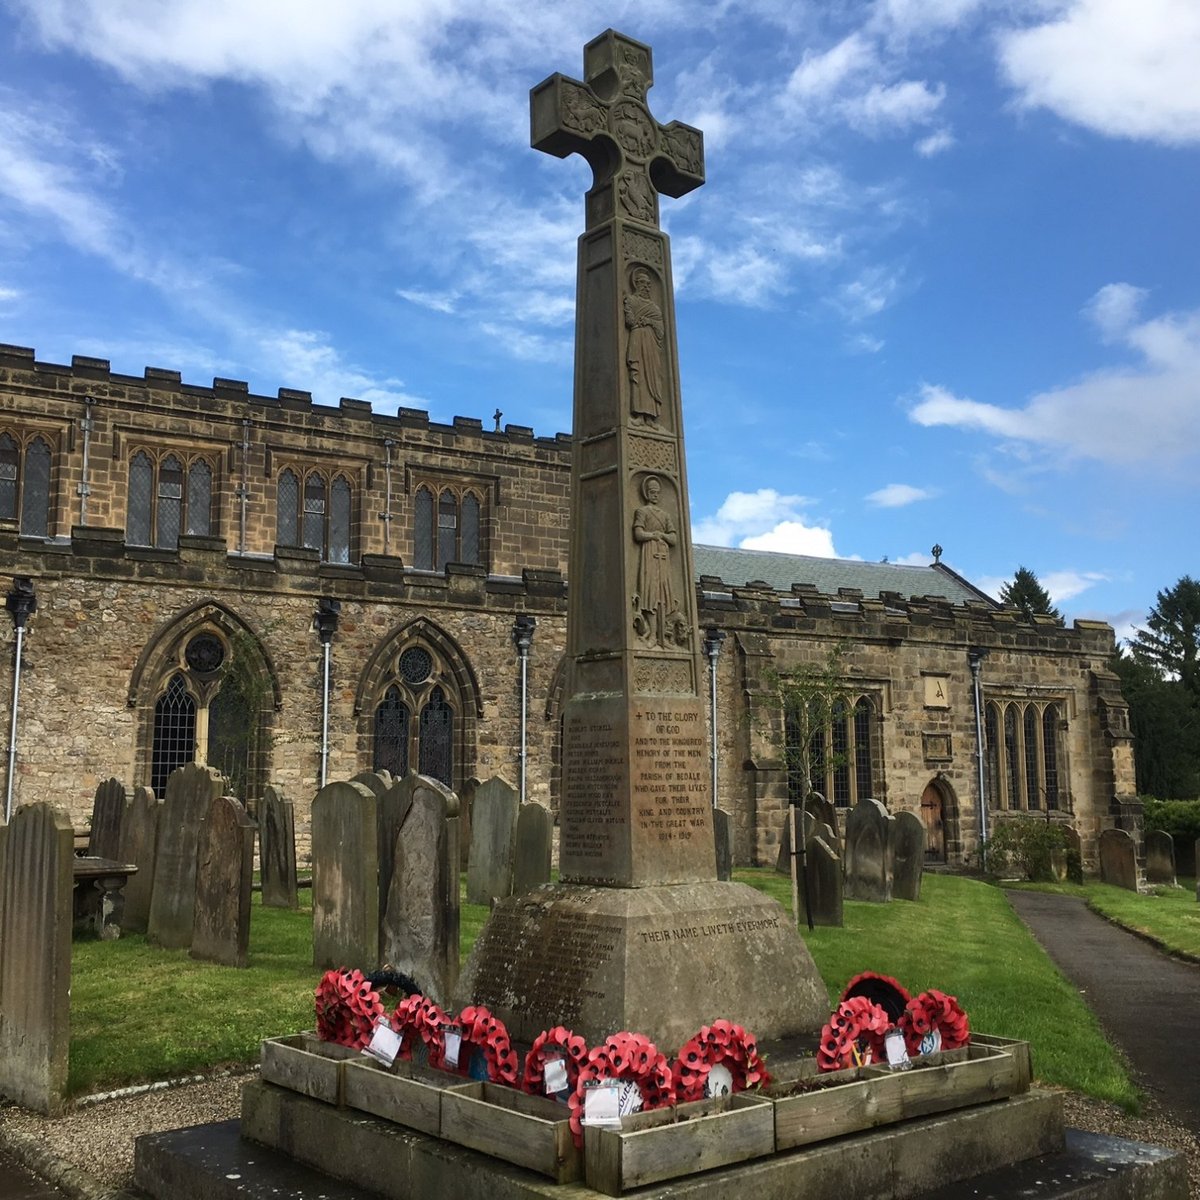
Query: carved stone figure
x,y
644,352
657,617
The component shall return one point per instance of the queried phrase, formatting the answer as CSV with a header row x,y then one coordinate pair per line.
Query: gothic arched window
x,y
841,750
1022,754
25,483
419,686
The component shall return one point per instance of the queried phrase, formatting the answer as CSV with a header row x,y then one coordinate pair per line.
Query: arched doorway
x,y
936,800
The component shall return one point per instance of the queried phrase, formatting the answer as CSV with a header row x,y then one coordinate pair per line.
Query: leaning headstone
x,y
108,816
139,839
824,886
493,830
190,790
821,809
392,803
908,856
868,853
723,835
1118,859
817,811
224,875
277,849
345,854
35,973
421,924
531,854
1160,858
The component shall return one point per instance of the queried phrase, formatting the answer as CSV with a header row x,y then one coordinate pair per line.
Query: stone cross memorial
x,y
639,934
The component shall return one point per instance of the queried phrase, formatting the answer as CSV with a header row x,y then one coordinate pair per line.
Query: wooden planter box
x,y
668,1142
404,1093
844,1102
305,1064
1019,1050
529,1131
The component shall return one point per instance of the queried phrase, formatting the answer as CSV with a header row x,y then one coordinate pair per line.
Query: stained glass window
x,y
174,733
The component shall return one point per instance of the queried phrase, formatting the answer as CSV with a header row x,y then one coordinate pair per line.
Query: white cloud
x,y
1146,414
821,75
918,558
896,106
793,537
745,515
897,495
1066,585
1122,69
8,294
936,143
442,302
906,17
869,294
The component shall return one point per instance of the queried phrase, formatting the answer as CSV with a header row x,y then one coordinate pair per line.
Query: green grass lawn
x,y
139,1013
1166,915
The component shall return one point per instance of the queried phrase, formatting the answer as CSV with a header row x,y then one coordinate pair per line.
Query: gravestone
x,y
345,854
820,809
493,832
466,804
531,855
639,933
35,956
1185,858
392,804
723,835
108,816
1160,858
139,840
277,849
224,876
1118,859
908,856
817,810
1073,853
421,923
868,853
824,886
190,790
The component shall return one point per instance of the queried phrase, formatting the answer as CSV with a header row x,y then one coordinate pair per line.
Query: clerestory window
x,y
314,510
25,463
169,494
448,527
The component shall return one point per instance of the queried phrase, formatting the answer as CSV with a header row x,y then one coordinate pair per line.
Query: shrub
x,y
1025,846
1179,818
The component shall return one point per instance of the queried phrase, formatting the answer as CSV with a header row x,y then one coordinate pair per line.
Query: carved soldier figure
x,y
644,353
657,618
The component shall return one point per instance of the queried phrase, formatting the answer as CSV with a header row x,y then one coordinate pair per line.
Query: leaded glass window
x,y
862,748
1012,757
174,733
170,502
423,533
470,529
35,490
1050,753
199,499
416,722
840,741
841,750
140,507
339,521
287,506
992,737
437,744
1033,796
1023,764
447,529
10,462
392,722
314,512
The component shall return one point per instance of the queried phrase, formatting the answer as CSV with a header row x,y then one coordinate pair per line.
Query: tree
x,y
1027,594
1171,640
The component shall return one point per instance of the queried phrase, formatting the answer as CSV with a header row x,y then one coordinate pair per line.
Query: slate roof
x,y
779,571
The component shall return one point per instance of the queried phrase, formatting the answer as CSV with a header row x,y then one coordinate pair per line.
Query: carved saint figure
x,y
657,619
644,352
637,196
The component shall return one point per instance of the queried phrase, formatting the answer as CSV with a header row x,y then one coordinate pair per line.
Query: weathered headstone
x,y
1118,859
139,839
493,833
1160,857
824,885
820,809
466,804
108,816
1074,853
277,849
817,810
723,836
868,853
190,790
35,956
224,876
908,856
392,804
639,933
532,845
421,924
345,853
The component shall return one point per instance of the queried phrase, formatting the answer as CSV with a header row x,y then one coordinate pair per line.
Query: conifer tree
x,y
1171,640
1027,594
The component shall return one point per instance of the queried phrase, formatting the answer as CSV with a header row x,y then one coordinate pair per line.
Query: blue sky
x,y
942,283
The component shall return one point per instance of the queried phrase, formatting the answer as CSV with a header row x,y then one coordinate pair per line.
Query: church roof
x,y
780,571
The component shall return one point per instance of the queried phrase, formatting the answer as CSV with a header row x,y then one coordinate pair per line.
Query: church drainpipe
x,y
326,622
386,515
21,602
84,488
713,637
975,657
522,635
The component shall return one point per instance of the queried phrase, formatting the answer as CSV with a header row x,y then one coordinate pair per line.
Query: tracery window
x,y
417,718
314,510
169,494
841,755
1022,754
25,482
447,527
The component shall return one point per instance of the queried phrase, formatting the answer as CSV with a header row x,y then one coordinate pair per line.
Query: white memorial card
x,y
556,1075
897,1054
601,1104
453,1044
719,1081
384,1044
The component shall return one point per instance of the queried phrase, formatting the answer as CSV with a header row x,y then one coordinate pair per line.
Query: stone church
x,y
291,592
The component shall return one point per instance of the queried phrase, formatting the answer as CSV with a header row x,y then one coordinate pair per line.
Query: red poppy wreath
x,y
418,1021
558,1042
628,1058
853,1035
481,1032
934,1021
347,1008
723,1046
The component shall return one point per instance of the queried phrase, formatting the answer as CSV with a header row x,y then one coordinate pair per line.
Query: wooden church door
x,y
933,816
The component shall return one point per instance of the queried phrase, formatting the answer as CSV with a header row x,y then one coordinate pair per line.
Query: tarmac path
x,y
1147,1002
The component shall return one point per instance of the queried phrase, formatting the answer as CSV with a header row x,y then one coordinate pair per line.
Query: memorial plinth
x,y
639,934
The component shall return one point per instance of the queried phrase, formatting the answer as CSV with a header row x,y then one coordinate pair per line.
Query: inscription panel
x,y
594,818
